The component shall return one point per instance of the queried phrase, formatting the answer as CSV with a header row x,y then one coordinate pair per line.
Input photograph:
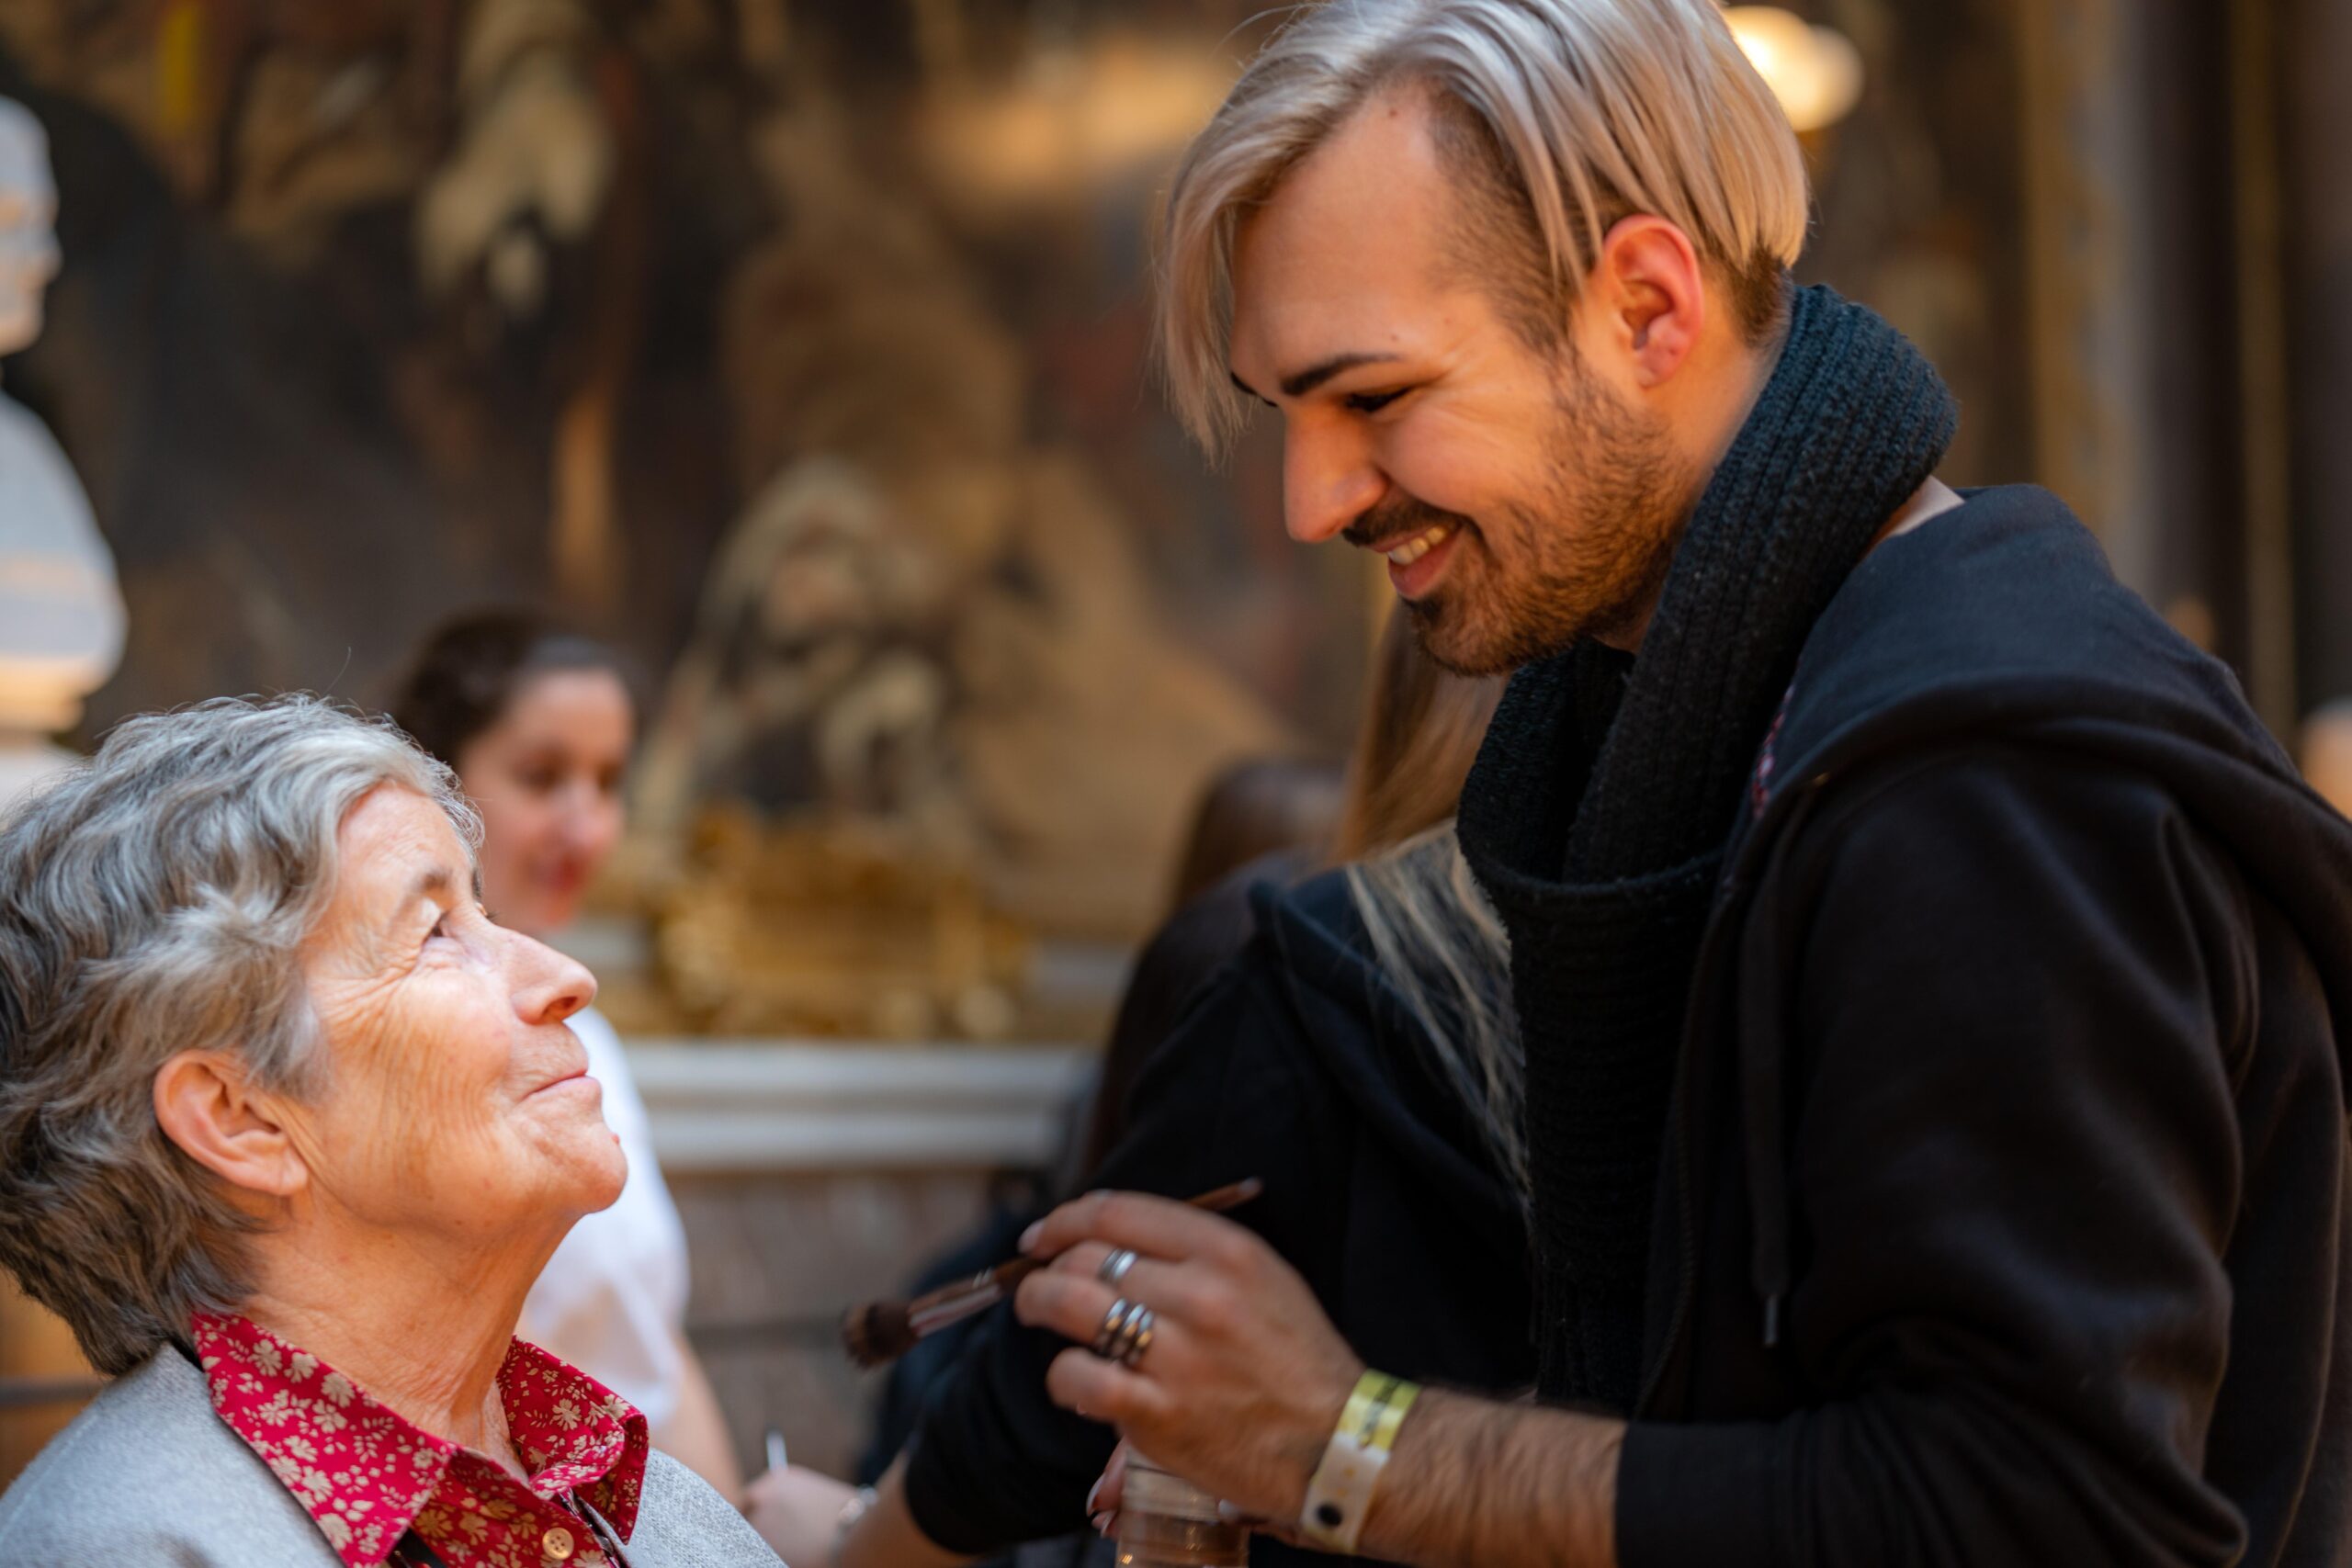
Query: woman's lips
x,y
571,1081
565,878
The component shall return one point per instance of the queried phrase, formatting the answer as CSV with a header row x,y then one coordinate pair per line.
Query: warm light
x,y
1072,121
1816,72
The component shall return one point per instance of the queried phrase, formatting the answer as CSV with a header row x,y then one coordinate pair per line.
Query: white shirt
x,y
613,1298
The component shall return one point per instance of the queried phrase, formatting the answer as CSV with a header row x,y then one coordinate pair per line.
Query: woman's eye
x,y
440,927
1371,402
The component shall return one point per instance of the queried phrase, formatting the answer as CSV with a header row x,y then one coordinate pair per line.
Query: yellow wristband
x,y
1340,1494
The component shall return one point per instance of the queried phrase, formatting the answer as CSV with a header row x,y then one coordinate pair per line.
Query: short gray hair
x,y
1566,114
155,899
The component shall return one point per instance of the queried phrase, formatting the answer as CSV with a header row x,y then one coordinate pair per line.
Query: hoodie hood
x,y
2002,620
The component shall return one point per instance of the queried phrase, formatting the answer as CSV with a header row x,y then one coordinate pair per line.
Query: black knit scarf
x,y
1598,813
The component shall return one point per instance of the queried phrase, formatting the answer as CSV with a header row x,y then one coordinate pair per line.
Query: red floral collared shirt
x,y
368,1476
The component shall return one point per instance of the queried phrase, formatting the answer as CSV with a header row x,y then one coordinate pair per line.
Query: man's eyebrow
x,y
1301,382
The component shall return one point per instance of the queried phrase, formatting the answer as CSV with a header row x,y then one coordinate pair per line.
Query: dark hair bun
x,y
467,674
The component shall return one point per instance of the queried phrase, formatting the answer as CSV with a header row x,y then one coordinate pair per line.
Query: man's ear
x,y
1650,290
205,1104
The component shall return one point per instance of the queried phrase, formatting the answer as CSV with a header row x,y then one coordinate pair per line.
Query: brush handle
x,y
953,1303
935,1310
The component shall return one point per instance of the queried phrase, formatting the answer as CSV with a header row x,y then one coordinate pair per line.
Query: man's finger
x,y
1171,1289
1111,1492
1072,1305
1075,1302
1102,1391
1086,1257
1158,1227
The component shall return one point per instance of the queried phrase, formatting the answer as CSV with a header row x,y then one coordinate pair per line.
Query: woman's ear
x,y
205,1105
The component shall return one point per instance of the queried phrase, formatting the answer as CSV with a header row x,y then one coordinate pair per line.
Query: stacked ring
x,y
1126,1333
1114,1266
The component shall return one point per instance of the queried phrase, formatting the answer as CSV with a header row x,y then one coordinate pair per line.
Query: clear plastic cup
x,y
1165,1521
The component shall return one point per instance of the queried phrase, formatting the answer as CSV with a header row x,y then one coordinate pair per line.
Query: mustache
x,y
1398,514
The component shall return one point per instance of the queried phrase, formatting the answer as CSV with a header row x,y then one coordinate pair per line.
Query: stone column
x,y
2312,40
2134,334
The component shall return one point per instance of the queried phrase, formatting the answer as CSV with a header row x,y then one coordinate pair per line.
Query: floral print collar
x,y
368,1476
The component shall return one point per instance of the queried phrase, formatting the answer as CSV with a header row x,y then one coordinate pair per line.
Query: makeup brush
x,y
880,1332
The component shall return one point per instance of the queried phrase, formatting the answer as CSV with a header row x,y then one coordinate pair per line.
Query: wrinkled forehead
x,y
24,153
395,851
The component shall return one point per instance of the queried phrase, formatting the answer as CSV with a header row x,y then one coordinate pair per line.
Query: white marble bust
x,y
61,614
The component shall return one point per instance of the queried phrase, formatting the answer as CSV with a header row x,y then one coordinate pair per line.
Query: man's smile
x,y
1415,562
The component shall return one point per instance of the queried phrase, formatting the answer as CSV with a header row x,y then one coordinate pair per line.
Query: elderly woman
x,y
287,1127
538,723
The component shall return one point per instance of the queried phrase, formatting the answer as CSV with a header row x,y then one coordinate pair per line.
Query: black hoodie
x,y
2003,1213
1299,1065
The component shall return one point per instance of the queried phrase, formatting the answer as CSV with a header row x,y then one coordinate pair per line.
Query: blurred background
x,y
798,347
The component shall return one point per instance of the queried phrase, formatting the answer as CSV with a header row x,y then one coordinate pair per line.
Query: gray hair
x,y
152,900
1443,950
1563,115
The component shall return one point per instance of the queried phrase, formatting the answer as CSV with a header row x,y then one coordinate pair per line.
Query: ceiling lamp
x,y
1815,72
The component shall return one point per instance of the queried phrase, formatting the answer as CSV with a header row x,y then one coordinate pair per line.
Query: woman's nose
x,y
548,986
587,805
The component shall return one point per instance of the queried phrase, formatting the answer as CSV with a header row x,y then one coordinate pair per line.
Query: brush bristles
x,y
877,1333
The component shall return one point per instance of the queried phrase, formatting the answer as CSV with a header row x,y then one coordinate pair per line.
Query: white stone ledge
x,y
756,1105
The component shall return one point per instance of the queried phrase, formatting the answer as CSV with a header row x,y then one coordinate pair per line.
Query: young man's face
x,y
1523,500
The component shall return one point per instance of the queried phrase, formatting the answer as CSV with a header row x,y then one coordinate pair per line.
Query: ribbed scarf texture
x,y
1598,813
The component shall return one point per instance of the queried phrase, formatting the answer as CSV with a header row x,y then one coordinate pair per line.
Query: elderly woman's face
x,y
454,1098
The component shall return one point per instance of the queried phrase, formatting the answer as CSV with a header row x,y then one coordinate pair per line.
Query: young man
x,y
1926,963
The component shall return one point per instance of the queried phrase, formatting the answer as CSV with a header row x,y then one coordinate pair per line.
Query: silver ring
x,y
1124,1326
1111,1340
1139,1339
1114,1266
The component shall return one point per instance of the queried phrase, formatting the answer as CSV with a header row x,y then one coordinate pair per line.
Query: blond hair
x,y
1444,950
1567,114
1421,732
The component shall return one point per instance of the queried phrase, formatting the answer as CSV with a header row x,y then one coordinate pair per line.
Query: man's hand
x,y
1244,1378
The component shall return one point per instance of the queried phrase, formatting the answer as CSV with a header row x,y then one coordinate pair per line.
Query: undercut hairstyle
x,y
1557,118
155,899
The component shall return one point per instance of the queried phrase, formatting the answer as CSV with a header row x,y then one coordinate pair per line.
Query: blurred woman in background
x,y
538,724
1349,1041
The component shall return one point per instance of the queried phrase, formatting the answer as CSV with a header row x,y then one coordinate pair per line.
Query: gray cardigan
x,y
149,1475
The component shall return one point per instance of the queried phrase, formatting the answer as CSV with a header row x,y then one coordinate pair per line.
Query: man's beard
x,y
1591,548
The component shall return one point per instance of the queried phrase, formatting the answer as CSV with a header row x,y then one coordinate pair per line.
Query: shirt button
x,y
557,1544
